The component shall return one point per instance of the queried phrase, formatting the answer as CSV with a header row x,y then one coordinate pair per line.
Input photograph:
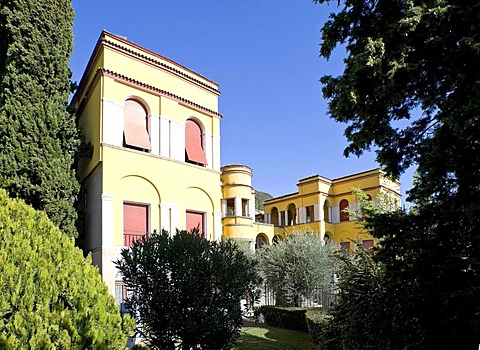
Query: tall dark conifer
x,y
38,137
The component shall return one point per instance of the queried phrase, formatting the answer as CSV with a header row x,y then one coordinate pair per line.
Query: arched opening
x,y
135,128
344,215
194,152
274,216
292,215
261,240
326,211
327,237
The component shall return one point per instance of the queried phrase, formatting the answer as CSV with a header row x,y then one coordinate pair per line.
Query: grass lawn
x,y
262,337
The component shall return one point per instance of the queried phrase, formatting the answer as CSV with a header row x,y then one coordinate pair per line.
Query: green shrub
x,y
318,325
186,289
51,297
293,318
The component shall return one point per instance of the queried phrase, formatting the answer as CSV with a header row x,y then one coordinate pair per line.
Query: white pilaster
x,y
238,206
208,149
164,144
279,218
170,217
335,214
285,215
217,225
112,129
268,218
177,141
251,208
303,215
215,153
317,212
224,207
107,220
155,134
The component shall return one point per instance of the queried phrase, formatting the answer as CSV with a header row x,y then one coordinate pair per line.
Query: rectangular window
x,y
367,244
195,220
345,245
309,213
135,222
230,207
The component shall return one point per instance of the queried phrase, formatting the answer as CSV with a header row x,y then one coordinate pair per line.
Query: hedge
x,y
293,318
318,323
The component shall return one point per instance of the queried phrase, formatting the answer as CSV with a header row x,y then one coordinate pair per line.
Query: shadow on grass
x,y
262,337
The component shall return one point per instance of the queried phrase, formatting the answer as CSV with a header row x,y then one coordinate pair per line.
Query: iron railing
x,y
130,236
316,297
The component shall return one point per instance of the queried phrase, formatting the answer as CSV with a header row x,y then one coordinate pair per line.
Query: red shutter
x,y
344,216
193,143
195,220
135,125
135,222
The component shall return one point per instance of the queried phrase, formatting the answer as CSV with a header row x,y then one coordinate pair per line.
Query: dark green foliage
x,y
432,274
293,318
364,316
50,296
38,137
411,88
186,290
318,325
261,197
415,62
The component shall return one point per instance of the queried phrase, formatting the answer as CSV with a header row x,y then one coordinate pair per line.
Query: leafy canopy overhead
x,y
411,87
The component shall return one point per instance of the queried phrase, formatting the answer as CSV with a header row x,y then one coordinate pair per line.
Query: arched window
x,y
344,216
274,216
194,152
292,215
135,130
326,215
261,241
276,239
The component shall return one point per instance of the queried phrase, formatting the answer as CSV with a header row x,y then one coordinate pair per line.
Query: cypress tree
x,y
38,137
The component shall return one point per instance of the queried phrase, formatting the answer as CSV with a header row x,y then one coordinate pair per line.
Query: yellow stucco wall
x,y
133,176
317,190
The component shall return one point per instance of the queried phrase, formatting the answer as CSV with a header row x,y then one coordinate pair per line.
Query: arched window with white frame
x,y
194,151
135,132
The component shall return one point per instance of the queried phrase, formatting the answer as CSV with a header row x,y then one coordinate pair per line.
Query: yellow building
x,y
155,130
320,205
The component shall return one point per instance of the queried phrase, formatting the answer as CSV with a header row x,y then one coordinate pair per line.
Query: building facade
x,y
322,205
154,127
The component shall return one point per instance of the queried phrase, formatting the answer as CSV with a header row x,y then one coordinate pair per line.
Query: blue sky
x,y
265,56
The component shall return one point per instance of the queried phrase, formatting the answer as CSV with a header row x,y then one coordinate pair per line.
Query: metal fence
x,y
317,297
